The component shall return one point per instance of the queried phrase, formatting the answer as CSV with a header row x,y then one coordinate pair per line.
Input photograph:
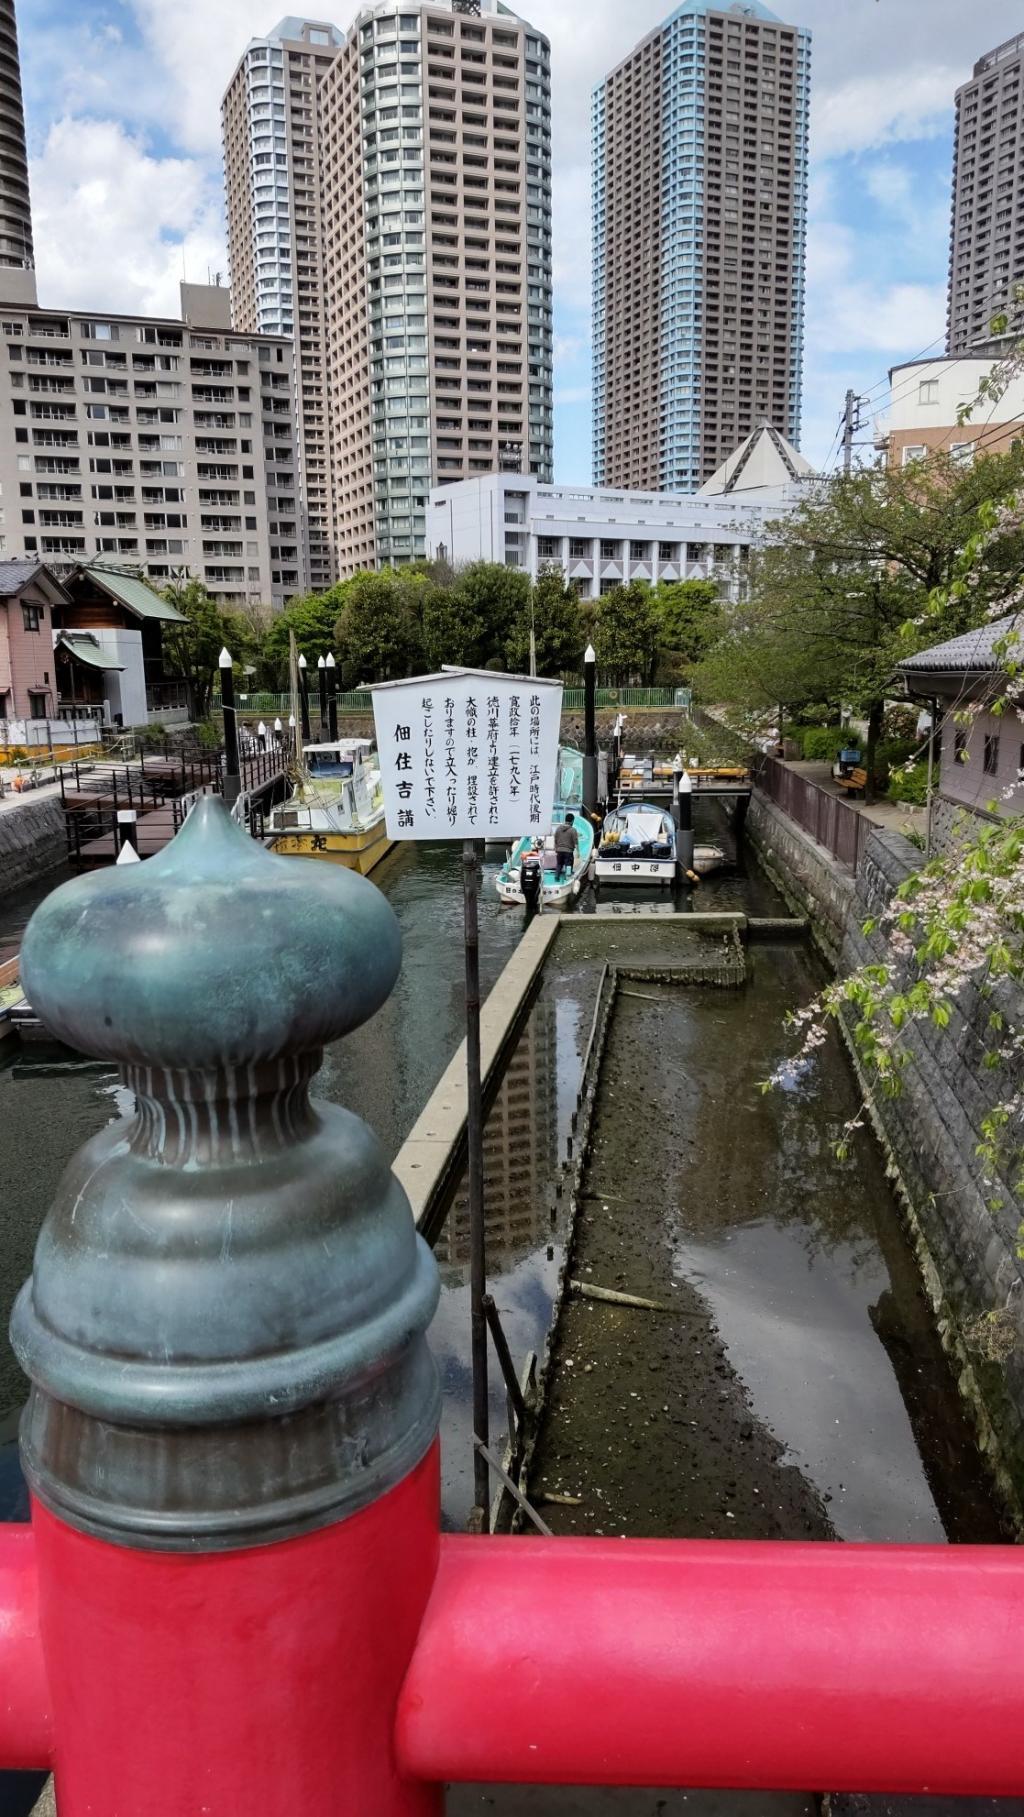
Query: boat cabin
x,y
335,762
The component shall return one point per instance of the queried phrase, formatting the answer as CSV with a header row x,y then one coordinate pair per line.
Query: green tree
x,y
313,618
626,634
192,649
861,574
691,618
452,631
557,620
496,597
379,630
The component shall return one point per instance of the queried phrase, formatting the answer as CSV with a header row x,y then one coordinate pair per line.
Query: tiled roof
x,y
974,650
86,649
132,592
16,573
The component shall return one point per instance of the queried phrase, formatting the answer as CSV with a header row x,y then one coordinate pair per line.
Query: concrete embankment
x,y
964,1225
31,841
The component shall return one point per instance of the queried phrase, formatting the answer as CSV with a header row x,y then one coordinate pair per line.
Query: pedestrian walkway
x,y
897,816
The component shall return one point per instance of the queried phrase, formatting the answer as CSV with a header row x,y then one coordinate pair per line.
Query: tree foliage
x,y
191,650
863,573
626,634
556,619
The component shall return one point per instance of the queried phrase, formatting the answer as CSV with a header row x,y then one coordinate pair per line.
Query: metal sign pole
x,y
475,1169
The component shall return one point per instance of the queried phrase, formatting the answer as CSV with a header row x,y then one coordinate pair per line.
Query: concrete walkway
x,y
896,815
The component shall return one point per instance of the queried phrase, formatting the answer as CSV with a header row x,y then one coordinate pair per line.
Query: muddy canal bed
x,y
797,1387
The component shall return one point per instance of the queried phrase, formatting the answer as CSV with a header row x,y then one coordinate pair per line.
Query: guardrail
x,y
830,820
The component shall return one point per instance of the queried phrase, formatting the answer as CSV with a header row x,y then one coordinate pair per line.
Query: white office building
x,y
602,538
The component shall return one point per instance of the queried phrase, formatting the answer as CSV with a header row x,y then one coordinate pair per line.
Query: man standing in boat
x,y
567,844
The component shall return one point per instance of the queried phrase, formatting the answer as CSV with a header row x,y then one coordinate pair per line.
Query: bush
x,y
822,744
207,735
889,754
900,723
910,785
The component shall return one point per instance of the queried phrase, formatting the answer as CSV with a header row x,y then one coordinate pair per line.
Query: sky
x,y
123,112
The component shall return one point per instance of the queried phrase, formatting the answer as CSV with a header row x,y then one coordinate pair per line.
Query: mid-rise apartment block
x,y
699,156
434,171
167,445
987,240
271,164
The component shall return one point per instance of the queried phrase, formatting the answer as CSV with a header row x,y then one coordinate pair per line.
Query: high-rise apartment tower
x,y
699,150
987,240
433,253
15,209
271,164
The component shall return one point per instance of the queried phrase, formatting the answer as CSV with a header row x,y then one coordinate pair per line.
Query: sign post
x,y
470,755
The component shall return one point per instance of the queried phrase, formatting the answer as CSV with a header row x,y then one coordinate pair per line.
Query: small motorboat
x,y
555,891
638,845
336,811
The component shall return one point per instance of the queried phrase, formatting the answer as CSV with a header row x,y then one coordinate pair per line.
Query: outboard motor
x,y
531,880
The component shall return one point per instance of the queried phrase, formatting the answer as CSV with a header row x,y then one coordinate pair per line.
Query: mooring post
x,y
321,668
304,699
230,1436
590,729
332,696
127,829
684,838
475,1180
232,778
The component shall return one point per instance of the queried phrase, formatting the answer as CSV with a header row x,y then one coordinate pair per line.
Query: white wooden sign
x,y
467,754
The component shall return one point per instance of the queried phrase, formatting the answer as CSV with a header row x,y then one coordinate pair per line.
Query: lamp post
x,y
304,699
291,735
683,789
321,668
590,729
232,776
332,697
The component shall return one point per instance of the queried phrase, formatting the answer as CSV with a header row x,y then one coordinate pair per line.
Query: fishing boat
x,y
336,810
638,845
555,890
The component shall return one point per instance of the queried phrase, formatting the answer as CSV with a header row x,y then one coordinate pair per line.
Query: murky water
x,y
818,1345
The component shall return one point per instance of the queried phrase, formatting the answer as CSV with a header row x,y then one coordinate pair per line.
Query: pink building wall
x,y
26,657
966,780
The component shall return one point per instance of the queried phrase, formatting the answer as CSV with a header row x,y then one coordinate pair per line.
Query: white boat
x,y
336,810
556,891
638,845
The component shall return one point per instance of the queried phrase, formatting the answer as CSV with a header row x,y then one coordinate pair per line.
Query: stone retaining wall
x,y
807,875
32,842
966,1227
966,1245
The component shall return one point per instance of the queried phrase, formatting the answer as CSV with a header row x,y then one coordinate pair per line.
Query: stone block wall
x,y
966,1226
806,874
32,842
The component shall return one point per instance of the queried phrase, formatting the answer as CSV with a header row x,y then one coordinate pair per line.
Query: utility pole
x,y
851,423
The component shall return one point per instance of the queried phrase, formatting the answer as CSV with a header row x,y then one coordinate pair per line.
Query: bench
x,y
855,783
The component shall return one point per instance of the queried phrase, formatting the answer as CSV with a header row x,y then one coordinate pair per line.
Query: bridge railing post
x,y
231,1433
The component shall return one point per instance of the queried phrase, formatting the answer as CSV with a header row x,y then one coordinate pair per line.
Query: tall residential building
x,y
275,238
986,254
165,444
16,257
699,151
434,250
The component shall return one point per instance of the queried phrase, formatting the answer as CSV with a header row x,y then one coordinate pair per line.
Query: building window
x,y
31,617
547,548
580,550
639,552
36,705
960,752
912,454
928,391
963,453
667,552
610,551
991,753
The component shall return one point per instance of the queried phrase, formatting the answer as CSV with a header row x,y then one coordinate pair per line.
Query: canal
x,y
803,1391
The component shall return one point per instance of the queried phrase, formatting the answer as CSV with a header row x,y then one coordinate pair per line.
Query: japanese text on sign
x,y
466,755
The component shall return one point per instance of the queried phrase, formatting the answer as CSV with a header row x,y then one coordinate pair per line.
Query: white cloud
x,y
111,220
871,111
